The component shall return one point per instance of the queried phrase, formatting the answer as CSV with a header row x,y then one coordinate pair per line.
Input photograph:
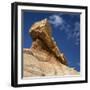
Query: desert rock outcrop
x,y
44,58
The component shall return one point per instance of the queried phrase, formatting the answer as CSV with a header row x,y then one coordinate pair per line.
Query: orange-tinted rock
x,y
41,30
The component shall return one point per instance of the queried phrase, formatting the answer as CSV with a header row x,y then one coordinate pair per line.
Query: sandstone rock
x,y
44,58
42,30
39,67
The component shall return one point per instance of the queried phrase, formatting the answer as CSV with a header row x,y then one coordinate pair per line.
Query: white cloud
x,y
61,24
76,33
56,20
77,26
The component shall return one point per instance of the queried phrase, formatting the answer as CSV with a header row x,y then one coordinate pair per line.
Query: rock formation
x,y
44,58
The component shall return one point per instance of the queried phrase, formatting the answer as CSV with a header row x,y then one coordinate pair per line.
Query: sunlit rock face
x,y
44,58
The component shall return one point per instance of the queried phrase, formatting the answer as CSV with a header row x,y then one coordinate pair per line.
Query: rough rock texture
x,y
44,57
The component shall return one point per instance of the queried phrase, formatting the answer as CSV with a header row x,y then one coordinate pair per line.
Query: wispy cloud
x,y
72,32
76,33
56,20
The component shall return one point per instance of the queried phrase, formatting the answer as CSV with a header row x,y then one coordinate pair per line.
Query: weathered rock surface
x,y
44,57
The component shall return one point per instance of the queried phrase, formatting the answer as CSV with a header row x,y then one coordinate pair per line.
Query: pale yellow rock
x,y
44,58
33,67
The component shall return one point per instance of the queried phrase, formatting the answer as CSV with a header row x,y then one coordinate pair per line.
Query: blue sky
x,y
65,30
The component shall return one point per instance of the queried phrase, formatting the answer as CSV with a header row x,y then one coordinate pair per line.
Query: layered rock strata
x,y
44,58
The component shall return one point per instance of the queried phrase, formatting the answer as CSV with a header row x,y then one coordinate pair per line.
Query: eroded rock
x,y
42,31
44,58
